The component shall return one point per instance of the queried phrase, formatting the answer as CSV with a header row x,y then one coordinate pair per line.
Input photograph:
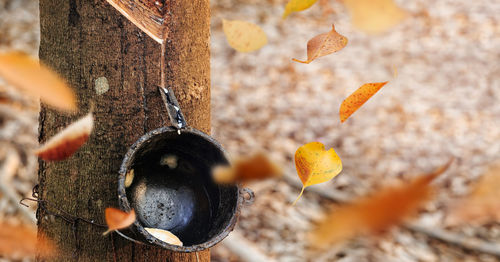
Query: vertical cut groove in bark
x,y
87,39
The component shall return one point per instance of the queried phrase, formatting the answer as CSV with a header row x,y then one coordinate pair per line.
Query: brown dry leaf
x,y
354,101
316,165
377,213
482,205
255,167
21,241
324,44
118,219
66,142
165,236
374,16
35,80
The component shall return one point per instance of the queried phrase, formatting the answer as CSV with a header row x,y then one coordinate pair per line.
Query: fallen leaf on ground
x,y
21,241
316,165
165,236
374,16
66,142
244,36
324,44
482,205
354,101
297,6
255,167
118,219
377,213
36,80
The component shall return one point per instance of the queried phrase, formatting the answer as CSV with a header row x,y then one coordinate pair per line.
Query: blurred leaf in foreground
x,y
374,16
354,101
255,167
376,213
297,6
21,241
324,44
316,165
483,204
68,141
165,236
244,36
35,80
118,219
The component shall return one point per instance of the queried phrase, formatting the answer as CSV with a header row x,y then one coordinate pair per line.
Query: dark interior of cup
x,y
173,190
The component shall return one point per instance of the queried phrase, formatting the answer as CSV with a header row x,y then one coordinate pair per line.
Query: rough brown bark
x,y
86,40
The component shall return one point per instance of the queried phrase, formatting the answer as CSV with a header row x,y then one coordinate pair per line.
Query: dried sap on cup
x,y
169,160
129,178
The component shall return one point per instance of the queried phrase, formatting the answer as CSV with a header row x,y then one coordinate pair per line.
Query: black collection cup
x,y
172,186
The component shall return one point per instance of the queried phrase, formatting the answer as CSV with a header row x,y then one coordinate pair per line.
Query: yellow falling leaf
x,y
324,44
36,80
244,36
316,165
165,236
354,101
297,6
374,16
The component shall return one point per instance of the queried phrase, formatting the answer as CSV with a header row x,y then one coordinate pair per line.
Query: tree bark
x,y
92,46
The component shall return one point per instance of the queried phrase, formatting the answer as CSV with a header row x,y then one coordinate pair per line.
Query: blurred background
x,y
443,102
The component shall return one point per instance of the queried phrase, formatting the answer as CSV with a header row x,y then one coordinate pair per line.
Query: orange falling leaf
x,y
66,142
256,167
118,219
316,165
36,80
377,213
354,101
324,44
165,236
482,205
18,241
374,16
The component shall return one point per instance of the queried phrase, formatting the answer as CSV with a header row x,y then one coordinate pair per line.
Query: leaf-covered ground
x,y
443,102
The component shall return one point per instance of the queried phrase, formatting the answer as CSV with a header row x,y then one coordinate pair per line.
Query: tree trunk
x,y
115,67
